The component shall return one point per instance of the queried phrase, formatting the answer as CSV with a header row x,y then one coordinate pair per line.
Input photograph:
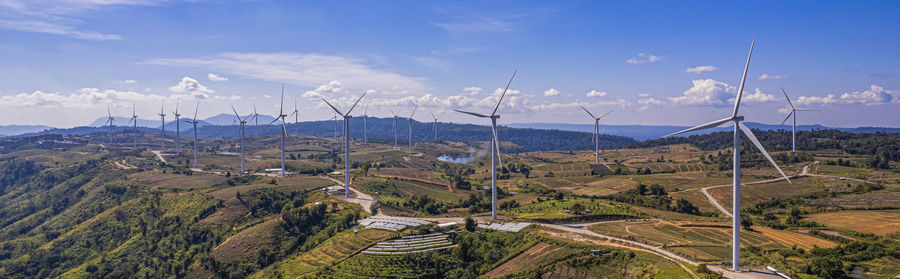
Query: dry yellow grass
x,y
791,238
880,222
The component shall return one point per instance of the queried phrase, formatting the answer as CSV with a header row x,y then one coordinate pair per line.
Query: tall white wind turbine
x,y
495,146
255,118
133,121
295,114
596,133
394,127
281,116
794,126
177,129
409,121
109,120
736,192
194,122
347,117
366,126
434,126
243,122
162,129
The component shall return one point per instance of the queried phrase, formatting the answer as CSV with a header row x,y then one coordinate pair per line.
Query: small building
x,y
334,190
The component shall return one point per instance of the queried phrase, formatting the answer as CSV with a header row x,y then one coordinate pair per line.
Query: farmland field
x,y
879,222
337,248
755,193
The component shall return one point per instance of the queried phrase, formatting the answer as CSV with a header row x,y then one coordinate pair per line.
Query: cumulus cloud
x,y
646,102
643,58
595,93
300,68
551,92
89,98
215,77
705,92
700,69
769,77
874,95
757,97
472,90
192,87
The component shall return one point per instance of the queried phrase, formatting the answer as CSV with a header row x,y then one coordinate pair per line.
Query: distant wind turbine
x,y
793,127
162,129
133,121
434,126
394,127
347,117
596,133
409,121
194,122
109,120
296,115
495,146
738,126
255,118
281,116
366,126
243,121
177,130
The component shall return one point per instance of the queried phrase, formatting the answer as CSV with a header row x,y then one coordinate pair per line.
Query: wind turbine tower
x,y
162,129
394,127
281,116
366,126
177,130
434,126
133,121
409,121
194,122
347,117
495,146
794,126
296,115
109,120
596,133
736,191
243,122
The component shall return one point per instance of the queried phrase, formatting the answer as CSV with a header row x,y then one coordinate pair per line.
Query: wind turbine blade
x,y
761,149
357,102
701,127
786,97
283,128
176,106
786,118
108,112
432,116
589,112
281,109
292,113
332,107
413,112
196,110
236,114
605,114
472,113
504,93
245,118
737,100
254,108
497,146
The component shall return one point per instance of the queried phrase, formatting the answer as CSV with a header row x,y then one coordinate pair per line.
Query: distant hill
x,y
225,119
12,130
643,132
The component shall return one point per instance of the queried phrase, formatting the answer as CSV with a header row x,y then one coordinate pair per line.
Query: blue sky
x,y
655,62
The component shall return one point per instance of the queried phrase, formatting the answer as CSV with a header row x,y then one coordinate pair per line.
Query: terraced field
x,y
879,222
540,253
335,249
753,194
156,178
556,210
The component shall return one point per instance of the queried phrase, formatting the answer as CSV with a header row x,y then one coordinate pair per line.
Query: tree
x,y
470,224
577,208
747,223
685,206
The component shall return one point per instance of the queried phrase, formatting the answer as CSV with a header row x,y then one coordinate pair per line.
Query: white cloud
x,y
46,27
648,102
757,97
473,90
192,87
551,92
874,95
267,96
128,81
595,93
705,92
700,69
86,98
302,69
644,58
769,77
643,95
215,77
549,106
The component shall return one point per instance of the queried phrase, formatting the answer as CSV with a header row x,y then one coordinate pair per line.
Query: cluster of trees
x,y
514,168
654,196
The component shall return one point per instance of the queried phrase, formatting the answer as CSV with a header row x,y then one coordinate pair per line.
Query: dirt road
x,y
360,198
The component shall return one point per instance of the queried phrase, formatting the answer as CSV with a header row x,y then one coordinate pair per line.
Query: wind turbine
x,y
162,129
255,118
366,126
347,117
596,133
736,192
334,118
409,121
177,130
794,127
434,126
194,122
133,120
394,127
495,146
281,116
295,114
243,121
109,120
